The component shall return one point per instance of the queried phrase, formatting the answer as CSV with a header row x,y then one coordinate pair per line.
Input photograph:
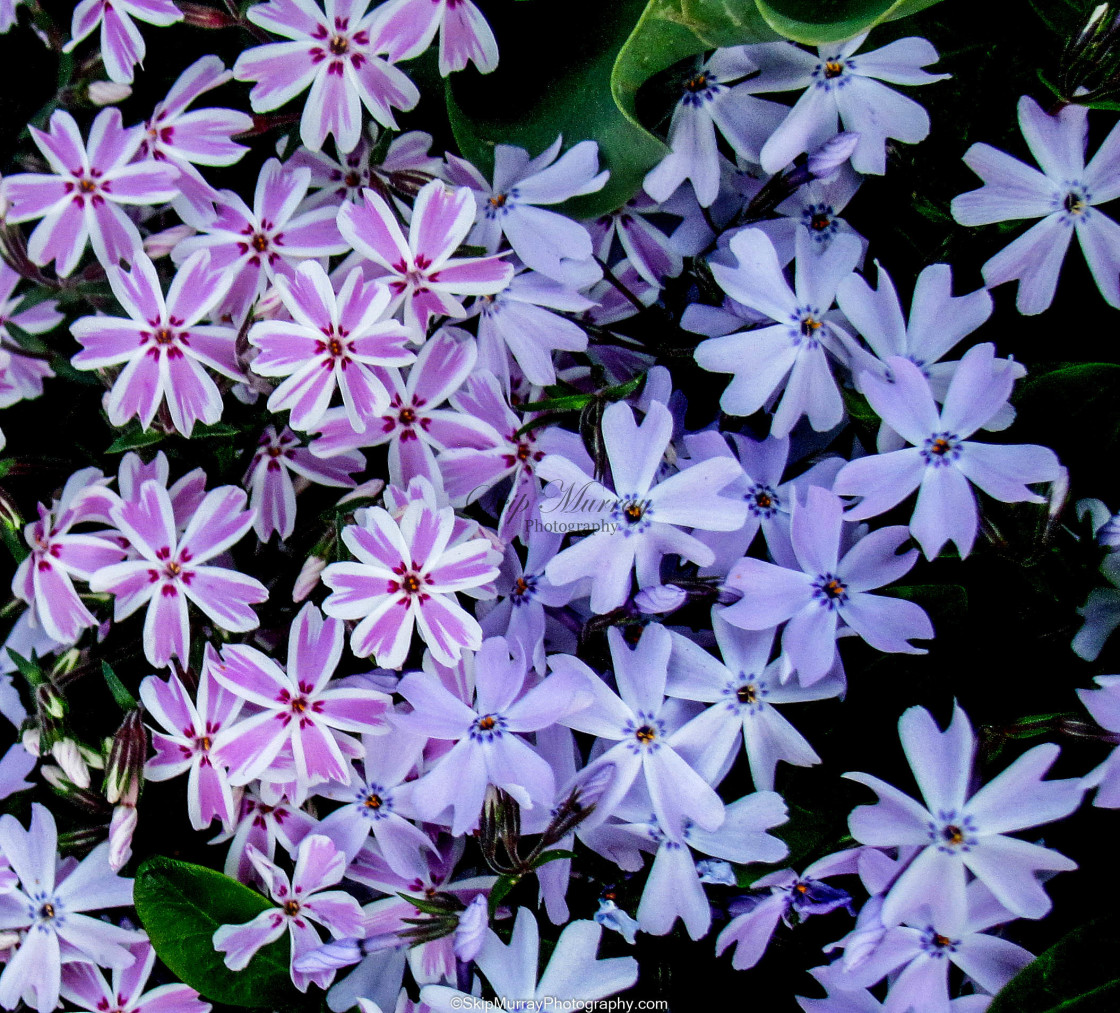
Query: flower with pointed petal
x,y
122,45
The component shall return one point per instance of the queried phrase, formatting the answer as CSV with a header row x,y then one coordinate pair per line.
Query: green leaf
x,y
564,88
816,21
500,890
218,429
29,669
134,440
946,603
555,855
1078,974
125,700
181,905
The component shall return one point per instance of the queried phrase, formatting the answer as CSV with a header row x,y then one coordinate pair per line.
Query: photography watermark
x,y
576,507
554,1004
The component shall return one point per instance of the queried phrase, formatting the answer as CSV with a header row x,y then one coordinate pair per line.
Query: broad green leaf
x,y
562,87
817,21
1078,974
181,905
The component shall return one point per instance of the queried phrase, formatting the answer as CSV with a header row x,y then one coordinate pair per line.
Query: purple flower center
x,y
762,501
644,733
632,514
952,832
937,945
941,449
488,728
830,590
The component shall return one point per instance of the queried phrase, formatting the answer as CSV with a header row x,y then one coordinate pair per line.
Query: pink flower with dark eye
x,y
80,200
122,45
186,743
22,376
336,56
171,569
161,345
420,270
407,575
255,246
199,137
299,902
272,493
332,342
85,986
298,708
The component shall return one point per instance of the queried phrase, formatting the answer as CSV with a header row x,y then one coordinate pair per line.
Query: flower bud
x,y
367,490
31,740
335,954
827,160
160,244
125,771
471,931
69,758
50,703
121,829
205,16
660,599
308,577
106,93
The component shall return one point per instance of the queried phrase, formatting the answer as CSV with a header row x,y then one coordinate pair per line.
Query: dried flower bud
x,y
121,829
471,931
308,578
106,93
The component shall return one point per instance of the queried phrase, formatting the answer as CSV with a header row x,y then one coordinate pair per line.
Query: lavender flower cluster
x,y
419,332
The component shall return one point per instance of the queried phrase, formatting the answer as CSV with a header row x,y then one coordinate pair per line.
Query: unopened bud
x,y
9,512
204,16
66,662
121,829
660,599
106,93
367,490
69,758
30,739
50,702
827,160
308,578
1059,493
125,771
471,931
160,244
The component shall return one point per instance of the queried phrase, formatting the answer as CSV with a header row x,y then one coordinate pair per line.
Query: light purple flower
x,y
299,707
300,902
791,355
420,270
199,137
331,342
22,376
45,579
840,85
714,96
8,15
272,493
488,748
1103,704
85,986
825,591
186,743
814,208
261,825
409,26
406,577
650,252
161,345
336,55
640,724
544,240
941,461
172,569
50,912
81,200
518,321
638,523
15,765
956,831
1064,195
572,977
412,423
254,247
122,45
742,690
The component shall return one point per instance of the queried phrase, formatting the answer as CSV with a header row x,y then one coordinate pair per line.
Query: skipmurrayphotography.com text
x,y
552,1004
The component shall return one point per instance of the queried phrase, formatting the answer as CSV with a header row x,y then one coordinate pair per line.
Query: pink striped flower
x,y
337,57
45,579
161,344
413,424
272,493
22,376
255,246
406,576
299,901
80,200
171,569
409,26
298,708
85,986
332,342
200,137
122,45
186,744
420,270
